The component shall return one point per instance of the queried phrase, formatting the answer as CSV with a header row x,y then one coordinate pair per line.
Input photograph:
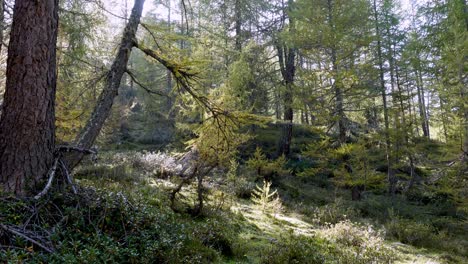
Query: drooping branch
x,y
185,77
144,87
147,28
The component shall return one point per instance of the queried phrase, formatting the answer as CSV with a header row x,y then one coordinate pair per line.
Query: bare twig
x,y
148,90
16,232
49,182
68,176
146,27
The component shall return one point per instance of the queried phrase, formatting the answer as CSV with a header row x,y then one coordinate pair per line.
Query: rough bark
x,y
103,108
27,125
2,22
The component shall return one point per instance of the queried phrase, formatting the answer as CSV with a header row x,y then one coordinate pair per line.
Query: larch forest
x,y
233,131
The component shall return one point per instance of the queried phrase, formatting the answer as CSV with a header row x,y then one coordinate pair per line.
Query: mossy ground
x,y
315,225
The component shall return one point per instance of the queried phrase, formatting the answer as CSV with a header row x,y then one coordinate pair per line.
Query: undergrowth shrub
x,y
332,213
239,186
356,243
265,168
242,188
294,249
267,199
99,226
416,233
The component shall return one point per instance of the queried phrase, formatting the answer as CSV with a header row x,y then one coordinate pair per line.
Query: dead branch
x,y
18,233
68,176
179,187
49,182
63,148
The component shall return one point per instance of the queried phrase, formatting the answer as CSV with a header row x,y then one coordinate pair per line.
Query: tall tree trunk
x,y
27,125
2,22
464,108
390,173
288,70
287,61
103,108
462,78
169,99
339,100
337,85
238,25
405,126
224,15
422,104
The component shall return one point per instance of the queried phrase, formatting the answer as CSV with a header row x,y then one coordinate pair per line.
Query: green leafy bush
x,y
332,213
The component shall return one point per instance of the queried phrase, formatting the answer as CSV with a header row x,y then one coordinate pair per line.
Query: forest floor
x,y
261,230
270,229
130,220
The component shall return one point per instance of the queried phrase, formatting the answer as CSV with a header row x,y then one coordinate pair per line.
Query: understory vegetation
x,y
234,131
122,213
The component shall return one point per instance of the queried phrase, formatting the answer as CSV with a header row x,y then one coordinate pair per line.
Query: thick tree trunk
x,y
27,125
2,22
102,110
287,127
356,192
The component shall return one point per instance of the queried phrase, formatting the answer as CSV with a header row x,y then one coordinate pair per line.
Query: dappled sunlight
x,y
234,131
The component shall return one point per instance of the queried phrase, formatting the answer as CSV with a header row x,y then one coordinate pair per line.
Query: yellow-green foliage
x,y
267,199
354,168
245,88
232,173
319,152
265,167
218,139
